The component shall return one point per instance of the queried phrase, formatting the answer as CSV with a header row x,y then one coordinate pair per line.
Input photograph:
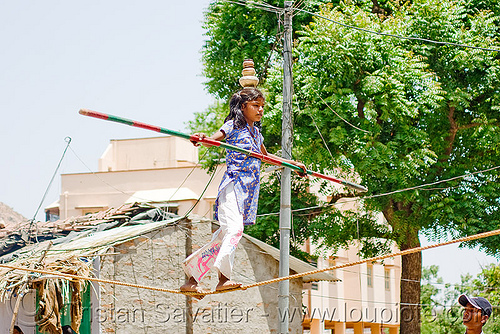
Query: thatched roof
x,y
23,233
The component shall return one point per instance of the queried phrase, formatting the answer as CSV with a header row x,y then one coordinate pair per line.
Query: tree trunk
x,y
411,272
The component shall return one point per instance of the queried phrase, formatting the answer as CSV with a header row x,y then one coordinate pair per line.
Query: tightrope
x,y
245,287
377,258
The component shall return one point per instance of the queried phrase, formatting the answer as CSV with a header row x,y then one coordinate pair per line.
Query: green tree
x,y
487,285
267,228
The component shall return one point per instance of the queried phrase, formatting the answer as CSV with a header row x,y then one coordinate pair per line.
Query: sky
x,y
138,60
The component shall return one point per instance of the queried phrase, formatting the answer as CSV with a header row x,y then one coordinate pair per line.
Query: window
x,y
51,217
369,276
88,210
387,279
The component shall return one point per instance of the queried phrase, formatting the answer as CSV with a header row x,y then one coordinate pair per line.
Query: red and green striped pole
x,y
212,142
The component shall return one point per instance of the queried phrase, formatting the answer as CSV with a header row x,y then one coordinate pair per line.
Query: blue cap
x,y
478,302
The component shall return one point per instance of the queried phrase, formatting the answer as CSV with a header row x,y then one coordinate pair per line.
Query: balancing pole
x,y
208,141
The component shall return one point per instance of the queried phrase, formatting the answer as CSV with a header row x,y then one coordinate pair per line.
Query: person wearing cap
x,y
476,313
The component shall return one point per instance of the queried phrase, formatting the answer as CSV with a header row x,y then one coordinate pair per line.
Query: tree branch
x,y
341,195
453,132
468,126
361,108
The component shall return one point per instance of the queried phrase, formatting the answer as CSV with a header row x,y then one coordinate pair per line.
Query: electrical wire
x,y
314,123
68,141
267,7
202,193
298,4
434,183
125,193
398,36
383,34
97,176
258,5
385,194
355,300
277,39
343,119
384,302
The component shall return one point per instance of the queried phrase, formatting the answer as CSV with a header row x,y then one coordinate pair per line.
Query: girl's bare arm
x,y
295,163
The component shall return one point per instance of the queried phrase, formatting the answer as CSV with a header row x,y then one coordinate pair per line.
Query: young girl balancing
x,y
236,203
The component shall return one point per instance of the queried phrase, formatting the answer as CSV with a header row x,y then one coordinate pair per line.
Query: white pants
x,y
219,252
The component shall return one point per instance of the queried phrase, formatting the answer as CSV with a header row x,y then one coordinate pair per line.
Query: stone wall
x,y
155,260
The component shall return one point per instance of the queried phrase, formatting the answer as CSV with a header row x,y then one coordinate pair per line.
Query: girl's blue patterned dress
x,y
242,169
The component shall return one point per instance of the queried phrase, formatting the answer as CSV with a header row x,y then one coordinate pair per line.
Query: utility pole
x,y
286,149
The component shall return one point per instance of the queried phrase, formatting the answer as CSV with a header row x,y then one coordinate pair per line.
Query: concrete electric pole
x,y
286,149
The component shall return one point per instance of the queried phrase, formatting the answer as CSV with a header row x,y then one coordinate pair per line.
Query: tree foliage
x,y
427,113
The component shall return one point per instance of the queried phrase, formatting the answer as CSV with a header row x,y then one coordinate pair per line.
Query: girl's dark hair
x,y
237,101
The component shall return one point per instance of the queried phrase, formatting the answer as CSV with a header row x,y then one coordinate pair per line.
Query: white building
x,y
160,170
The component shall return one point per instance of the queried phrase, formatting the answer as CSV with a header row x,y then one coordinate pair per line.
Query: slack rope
x,y
244,287
212,142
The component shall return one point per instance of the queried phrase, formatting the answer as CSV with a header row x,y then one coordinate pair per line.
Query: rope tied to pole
x,y
253,285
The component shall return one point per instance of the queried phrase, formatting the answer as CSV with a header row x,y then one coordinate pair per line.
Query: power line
x,y
384,194
125,193
345,121
355,300
202,193
268,7
258,5
279,10
68,141
434,183
398,36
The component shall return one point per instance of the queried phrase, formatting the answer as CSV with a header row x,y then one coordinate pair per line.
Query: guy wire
x,y
68,141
